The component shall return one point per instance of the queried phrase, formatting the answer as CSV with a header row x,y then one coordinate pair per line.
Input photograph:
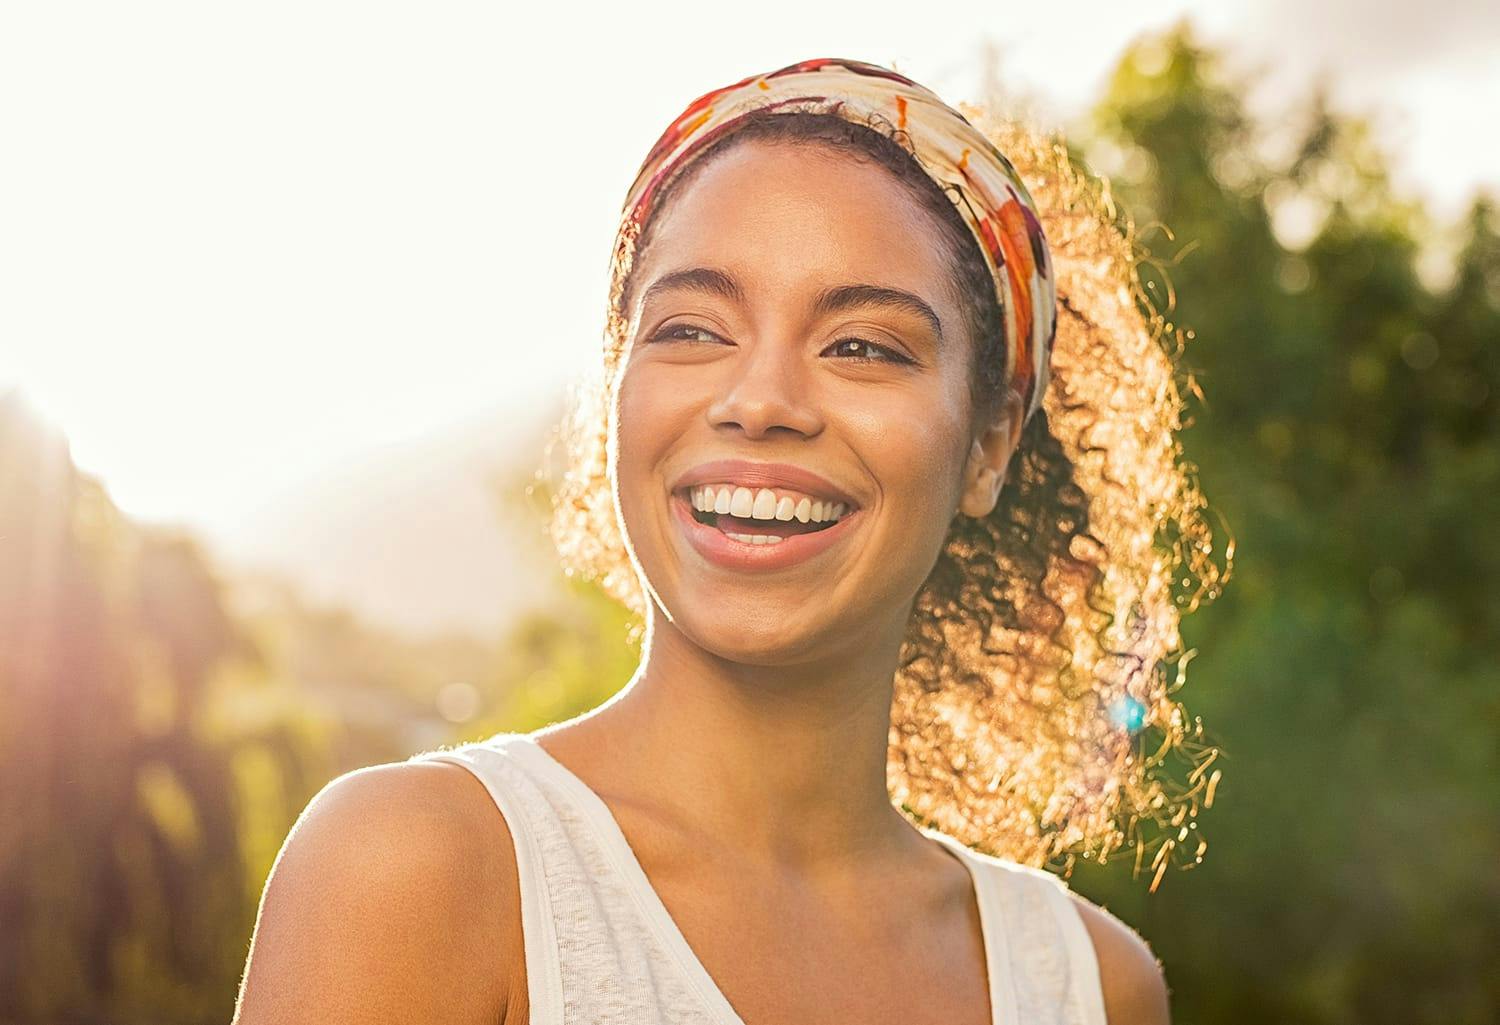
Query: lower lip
x,y
722,550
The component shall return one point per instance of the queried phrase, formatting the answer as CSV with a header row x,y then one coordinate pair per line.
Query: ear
x,y
989,456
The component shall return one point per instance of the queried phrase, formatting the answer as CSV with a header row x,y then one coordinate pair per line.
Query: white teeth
x,y
742,504
764,504
755,539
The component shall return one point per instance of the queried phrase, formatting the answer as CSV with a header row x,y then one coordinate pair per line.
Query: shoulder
x,y
388,891
1135,988
1131,978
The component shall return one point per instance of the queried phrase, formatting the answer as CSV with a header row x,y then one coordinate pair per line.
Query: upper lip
x,y
764,475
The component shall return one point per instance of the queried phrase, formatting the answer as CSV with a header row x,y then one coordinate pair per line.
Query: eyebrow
x,y
846,297
831,300
695,279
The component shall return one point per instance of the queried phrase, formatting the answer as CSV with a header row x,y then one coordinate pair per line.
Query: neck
x,y
787,763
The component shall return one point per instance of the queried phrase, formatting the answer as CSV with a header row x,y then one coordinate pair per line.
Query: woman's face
x,y
777,319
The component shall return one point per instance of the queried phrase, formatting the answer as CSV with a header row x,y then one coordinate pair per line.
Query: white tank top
x,y
601,948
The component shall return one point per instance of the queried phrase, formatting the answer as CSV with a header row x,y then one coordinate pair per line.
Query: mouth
x,y
762,530
758,542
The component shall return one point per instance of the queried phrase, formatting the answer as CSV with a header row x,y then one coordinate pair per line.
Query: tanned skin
x,y
745,761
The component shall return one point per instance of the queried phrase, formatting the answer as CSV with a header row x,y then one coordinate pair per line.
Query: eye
x,y
679,333
891,355
684,333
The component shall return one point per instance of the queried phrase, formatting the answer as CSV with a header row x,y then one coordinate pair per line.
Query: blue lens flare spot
x,y
1128,713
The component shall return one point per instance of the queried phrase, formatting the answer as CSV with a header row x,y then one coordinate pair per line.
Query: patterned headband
x,y
978,178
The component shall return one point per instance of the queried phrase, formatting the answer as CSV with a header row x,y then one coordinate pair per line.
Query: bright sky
x,y
240,243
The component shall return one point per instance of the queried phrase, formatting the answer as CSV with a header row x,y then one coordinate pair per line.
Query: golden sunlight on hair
x,y
1033,715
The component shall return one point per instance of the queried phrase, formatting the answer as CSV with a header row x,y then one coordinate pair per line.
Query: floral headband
x,y
983,184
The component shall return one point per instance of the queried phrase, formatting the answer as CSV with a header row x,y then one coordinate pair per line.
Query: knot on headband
x,y
982,183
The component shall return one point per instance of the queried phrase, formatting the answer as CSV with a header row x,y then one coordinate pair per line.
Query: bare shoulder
x,y
1135,987
390,899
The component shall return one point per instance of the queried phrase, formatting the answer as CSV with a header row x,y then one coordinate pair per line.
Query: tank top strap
x,y
989,895
1086,992
600,949
523,806
1052,959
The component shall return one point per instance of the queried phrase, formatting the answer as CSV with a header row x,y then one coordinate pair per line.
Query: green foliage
x,y
563,664
161,728
122,876
1349,435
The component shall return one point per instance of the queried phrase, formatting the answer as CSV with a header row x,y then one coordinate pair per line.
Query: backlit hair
x,y
1033,716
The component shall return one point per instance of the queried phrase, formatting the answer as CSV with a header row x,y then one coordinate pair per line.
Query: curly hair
x,y
1032,715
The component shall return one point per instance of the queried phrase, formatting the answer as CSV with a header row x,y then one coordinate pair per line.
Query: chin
x,y
759,637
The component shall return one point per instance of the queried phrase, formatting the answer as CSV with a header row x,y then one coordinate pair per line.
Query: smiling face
x,y
793,307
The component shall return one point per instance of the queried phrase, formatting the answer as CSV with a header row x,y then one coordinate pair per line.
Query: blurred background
x,y
290,295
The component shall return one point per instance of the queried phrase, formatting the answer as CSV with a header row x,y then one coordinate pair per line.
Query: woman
x,y
832,327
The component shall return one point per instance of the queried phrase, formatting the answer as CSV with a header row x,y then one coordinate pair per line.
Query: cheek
x,y
648,404
914,447
647,416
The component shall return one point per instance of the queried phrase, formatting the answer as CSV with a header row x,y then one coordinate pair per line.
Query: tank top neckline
x,y
654,911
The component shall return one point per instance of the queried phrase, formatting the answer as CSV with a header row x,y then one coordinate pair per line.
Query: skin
x,y
745,760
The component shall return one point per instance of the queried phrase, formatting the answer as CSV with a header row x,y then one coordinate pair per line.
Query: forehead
x,y
795,217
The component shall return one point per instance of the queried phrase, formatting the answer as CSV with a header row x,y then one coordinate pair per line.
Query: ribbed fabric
x,y
601,948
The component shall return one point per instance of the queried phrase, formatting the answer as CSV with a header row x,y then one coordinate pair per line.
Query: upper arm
x,y
383,905
1135,988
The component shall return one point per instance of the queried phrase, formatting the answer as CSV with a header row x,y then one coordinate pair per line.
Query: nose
x,y
767,390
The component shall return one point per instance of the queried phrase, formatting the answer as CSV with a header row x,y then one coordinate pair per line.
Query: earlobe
x,y
982,484
981,495
985,469
989,458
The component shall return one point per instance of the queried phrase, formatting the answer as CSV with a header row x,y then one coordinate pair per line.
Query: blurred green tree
x,y
161,727
1349,436
122,875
